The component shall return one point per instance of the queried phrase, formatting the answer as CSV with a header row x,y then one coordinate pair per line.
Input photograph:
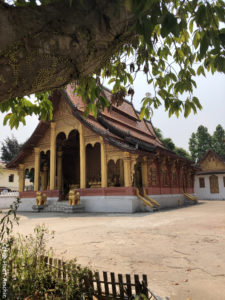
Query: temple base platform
x,y
101,200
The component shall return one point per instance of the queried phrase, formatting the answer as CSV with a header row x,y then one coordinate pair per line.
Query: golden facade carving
x,y
212,162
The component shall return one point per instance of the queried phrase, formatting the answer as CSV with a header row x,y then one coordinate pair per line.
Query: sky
x,y
210,91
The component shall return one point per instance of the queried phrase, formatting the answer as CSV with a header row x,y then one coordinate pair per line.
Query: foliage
x,y
158,133
182,152
169,144
201,141
18,108
10,148
168,39
25,265
218,141
172,37
6,222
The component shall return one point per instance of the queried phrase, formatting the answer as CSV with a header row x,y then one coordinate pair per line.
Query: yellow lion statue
x,y
41,199
74,197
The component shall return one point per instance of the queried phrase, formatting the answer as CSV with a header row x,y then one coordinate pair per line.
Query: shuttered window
x,y
214,184
201,182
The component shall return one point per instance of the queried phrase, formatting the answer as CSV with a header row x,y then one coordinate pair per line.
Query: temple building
x,y
113,161
210,179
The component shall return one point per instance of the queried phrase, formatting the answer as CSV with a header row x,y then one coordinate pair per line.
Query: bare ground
x,y
182,250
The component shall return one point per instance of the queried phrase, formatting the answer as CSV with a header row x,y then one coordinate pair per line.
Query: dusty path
x,y
182,251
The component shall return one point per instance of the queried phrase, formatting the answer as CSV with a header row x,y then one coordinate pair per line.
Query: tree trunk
x,y
45,47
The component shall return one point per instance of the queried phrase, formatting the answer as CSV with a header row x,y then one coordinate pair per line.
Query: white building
x,y
210,180
8,178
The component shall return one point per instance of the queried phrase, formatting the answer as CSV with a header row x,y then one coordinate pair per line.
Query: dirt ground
x,y
181,250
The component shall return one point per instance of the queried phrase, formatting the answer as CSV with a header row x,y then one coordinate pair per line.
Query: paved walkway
x,y
182,250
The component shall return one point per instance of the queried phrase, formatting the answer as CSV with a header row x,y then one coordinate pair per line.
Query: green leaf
x,y
204,45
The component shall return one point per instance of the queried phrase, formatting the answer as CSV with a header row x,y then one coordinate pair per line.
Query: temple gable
x,y
212,161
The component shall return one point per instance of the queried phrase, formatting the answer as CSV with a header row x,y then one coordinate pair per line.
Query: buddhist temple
x,y
210,178
115,161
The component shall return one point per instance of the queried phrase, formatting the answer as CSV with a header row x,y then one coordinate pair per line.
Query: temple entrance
x,y
68,162
93,165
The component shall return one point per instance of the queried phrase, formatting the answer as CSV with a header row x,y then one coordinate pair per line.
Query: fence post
x,y
120,278
137,284
128,289
145,285
105,277
98,283
113,284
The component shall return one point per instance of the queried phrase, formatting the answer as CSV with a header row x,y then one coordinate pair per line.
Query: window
x,y
154,177
201,182
11,177
214,185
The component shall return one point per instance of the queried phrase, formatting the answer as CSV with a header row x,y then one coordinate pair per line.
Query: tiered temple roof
x,y
119,126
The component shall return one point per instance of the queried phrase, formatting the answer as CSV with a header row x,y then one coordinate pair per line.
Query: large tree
x,y
199,143
218,141
10,148
47,44
169,144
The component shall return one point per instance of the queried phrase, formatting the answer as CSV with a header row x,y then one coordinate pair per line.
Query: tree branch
x,y
46,47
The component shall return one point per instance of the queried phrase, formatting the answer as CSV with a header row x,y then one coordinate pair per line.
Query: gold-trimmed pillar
x,y
36,168
127,170
52,156
103,165
82,159
21,177
144,172
59,169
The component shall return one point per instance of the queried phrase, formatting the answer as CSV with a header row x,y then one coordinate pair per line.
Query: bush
x,y
24,272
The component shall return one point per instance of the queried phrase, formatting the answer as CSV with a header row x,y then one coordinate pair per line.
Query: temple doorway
x,y
93,165
68,162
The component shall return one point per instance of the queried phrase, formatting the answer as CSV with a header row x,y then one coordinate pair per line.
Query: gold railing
x,y
191,197
144,200
154,202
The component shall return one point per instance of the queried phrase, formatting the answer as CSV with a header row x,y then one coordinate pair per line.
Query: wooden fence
x,y
106,285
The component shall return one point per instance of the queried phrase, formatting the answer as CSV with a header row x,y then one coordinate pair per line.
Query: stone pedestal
x,y
73,208
38,208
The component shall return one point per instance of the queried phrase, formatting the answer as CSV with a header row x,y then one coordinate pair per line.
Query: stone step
x,y
63,206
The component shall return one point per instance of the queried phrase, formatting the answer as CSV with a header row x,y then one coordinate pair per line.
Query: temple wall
x,y
204,193
112,204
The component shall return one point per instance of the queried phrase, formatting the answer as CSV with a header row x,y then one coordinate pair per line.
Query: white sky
x,y
210,91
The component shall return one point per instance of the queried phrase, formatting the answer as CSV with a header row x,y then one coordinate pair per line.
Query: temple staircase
x,y
147,201
190,199
63,206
